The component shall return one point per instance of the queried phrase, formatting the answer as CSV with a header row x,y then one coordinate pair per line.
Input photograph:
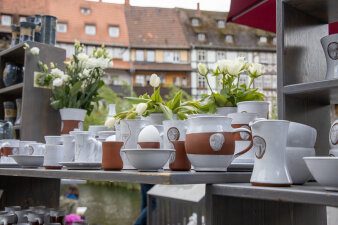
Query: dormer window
x,y
90,30
61,27
6,20
195,22
263,40
85,11
229,39
201,37
221,24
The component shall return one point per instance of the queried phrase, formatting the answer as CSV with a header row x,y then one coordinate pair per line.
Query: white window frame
x,y
195,22
139,55
220,55
201,82
171,56
263,40
150,56
85,11
6,20
221,24
90,29
114,31
201,37
59,28
229,38
139,79
201,55
22,19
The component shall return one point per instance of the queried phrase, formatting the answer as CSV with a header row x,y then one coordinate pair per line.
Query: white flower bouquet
x,y
77,86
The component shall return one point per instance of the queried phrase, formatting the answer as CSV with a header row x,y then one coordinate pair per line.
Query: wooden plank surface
x,y
162,177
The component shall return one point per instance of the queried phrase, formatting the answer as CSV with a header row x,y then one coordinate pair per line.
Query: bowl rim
x,y
26,156
148,149
320,158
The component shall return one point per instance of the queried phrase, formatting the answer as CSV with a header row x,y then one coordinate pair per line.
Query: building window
x,y
114,31
274,40
22,19
220,24
177,81
148,79
85,11
139,55
151,56
90,30
201,55
220,55
171,57
6,20
184,81
61,27
195,22
201,37
139,80
163,78
229,39
201,82
263,40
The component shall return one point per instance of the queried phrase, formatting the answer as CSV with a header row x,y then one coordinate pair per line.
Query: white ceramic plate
x,y
82,165
324,170
28,161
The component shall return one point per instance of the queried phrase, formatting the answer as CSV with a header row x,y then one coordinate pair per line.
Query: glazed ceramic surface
x,y
322,170
297,168
333,152
68,142
174,130
210,142
53,155
224,111
28,161
330,47
148,159
155,118
87,148
269,137
301,135
53,140
96,129
179,160
259,107
38,149
333,135
72,119
111,155
24,148
8,147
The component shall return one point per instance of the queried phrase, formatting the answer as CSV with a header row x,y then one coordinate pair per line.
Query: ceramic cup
x,y
53,140
53,155
8,147
111,155
118,131
58,216
68,142
179,160
36,218
270,168
22,215
24,148
37,149
7,219
95,129
87,148
242,139
12,209
259,107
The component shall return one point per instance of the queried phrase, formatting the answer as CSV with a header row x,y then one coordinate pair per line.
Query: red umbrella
x,y
259,14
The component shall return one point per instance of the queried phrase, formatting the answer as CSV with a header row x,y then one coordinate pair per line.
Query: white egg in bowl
x,y
149,137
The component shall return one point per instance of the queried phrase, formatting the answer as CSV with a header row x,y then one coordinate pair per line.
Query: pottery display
x,y
53,155
297,168
9,147
155,118
333,152
270,168
15,35
259,107
330,47
27,30
24,148
210,142
68,142
111,155
242,139
224,111
48,29
10,111
6,130
12,74
21,215
323,170
301,135
87,148
160,129
118,131
105,134
149,137
57,216
148,159
53,140
95,129
333,135
36,218
8,219
179,160
174,130
72,119
37,149
28,161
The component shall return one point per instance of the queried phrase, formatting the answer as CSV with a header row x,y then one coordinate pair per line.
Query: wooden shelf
x,y
325,91
324,10
15,54
163,177
15,89
309,193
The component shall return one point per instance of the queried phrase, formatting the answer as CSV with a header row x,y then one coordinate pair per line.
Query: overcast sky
x,y
212,5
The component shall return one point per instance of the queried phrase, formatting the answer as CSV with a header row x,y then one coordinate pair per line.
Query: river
x,y
109,205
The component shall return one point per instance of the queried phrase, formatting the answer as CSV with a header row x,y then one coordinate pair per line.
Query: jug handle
x,y
250,138
216,141
29,148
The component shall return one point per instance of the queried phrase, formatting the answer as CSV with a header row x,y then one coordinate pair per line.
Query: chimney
x,y
126,3
198,11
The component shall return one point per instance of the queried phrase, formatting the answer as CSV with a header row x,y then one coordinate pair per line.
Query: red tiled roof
x,y
155,27
24,7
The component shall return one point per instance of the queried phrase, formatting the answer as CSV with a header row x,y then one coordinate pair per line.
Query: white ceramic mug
x,y
9,143
53,140
24,148
37,149
35,217
87,148
95,129
68,142
259,107
53,155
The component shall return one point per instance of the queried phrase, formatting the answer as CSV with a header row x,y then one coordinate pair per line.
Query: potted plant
x,y
231,92
74,90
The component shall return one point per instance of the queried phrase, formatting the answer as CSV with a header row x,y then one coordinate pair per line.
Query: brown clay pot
x,y
180,162
6,151
111,158
69,125
149,144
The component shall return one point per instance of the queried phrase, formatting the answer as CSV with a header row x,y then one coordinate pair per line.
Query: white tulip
x,y
141,108
235,67
35,51
154,81
223,65
110,122
202,69
57,82
256,69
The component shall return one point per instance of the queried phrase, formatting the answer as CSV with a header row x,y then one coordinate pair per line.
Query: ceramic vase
x,y
155,118
261,108
224,111
48,29
72,119
330,47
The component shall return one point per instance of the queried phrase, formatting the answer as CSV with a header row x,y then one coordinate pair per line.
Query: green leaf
x,y
220,100
55,104
76,88
156,97
167,112
176,101
134,100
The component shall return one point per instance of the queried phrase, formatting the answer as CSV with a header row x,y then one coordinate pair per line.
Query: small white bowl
x,y
28,161
301,135
148,159
324,170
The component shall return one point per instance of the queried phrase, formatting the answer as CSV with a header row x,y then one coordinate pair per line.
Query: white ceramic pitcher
x,y
270,137
86,146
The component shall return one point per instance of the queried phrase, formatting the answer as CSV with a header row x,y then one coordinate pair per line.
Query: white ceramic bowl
x,y
301,135
333,152
148,159
210,162
28,161
324,170
296,165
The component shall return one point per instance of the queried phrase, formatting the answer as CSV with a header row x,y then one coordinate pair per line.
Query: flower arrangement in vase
x,y
231,92
74,90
